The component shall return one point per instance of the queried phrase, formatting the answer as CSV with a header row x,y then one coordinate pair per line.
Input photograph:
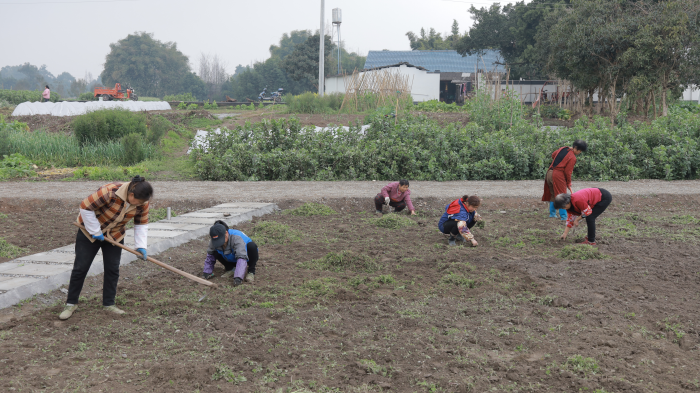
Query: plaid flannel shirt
x,y
109,203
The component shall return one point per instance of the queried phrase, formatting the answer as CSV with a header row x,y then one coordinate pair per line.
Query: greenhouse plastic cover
x,y
79,108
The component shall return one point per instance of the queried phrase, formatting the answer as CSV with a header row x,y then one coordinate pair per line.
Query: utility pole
x,y
321,53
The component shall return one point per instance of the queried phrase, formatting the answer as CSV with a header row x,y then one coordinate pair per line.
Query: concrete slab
x,y
165,226
165,234
202,215
35,269
225,210
56,265
193,220
8,266
16,282
57,257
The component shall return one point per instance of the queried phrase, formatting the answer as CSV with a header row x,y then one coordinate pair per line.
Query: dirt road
x,y
314,190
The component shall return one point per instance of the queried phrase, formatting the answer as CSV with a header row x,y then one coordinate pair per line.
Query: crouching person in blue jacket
x,y
459,217
236,251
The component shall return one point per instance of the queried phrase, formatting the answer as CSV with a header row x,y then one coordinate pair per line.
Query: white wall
x,y
425,86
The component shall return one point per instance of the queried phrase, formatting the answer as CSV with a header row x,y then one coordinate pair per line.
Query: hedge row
x,y
418,148
16,97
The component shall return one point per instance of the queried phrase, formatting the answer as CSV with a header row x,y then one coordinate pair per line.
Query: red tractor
x,y
117,93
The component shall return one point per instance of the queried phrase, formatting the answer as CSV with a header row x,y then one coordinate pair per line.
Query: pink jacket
x,y
391,190
47,94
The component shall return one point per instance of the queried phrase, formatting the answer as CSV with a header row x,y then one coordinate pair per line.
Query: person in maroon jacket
x,y
396,195
588,203
558,177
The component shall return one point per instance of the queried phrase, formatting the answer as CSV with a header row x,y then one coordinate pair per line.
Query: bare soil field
x,y
343,303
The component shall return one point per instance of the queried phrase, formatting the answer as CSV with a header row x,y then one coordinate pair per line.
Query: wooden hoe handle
x,y
157,262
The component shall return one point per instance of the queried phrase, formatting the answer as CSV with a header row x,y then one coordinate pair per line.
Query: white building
x,y
425,86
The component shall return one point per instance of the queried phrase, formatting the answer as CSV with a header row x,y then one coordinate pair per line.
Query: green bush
x,y
312,103
133,149
180,97
439,107
213,105
157,127
89,96
15,165
110,173
192,107
182,105
310,209
488,148
108,124
16,97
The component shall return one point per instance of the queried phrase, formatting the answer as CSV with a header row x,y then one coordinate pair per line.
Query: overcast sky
x,y
74,35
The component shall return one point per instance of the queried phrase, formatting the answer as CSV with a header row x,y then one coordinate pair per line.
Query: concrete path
x,y
272,191
24,277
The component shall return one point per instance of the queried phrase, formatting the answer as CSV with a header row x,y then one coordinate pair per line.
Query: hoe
x,y
194,278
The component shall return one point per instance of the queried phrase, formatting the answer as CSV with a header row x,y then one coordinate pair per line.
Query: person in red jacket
x,y
588,203
558,177
396,195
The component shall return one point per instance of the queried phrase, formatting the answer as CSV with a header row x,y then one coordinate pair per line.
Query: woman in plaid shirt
x,y
105,214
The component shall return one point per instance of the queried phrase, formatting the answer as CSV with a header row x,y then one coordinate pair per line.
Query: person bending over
x,y
558,177
588,203
459,217
236,251
105,214
396,195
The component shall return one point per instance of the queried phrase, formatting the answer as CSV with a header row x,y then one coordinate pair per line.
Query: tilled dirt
x,y
408,313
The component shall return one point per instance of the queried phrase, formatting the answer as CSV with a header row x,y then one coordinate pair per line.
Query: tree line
x,y
646,50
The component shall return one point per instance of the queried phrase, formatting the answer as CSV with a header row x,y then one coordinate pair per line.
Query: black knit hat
x,y
218,235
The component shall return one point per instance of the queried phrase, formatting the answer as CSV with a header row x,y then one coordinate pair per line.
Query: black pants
x,y
598,209
85,252
450,227
253,256
379,202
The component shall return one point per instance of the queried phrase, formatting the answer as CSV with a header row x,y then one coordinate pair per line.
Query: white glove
x,y
386,201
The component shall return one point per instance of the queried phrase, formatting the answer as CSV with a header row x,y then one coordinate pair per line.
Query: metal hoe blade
x,y
205,294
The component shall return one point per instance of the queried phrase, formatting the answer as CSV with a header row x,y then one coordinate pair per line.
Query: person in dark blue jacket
x,y
459,217
236,251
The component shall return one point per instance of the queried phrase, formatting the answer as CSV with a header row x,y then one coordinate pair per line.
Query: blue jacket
x,y
456,211
236,248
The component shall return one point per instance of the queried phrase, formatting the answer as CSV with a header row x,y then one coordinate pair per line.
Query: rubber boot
x,y
552,210
562,214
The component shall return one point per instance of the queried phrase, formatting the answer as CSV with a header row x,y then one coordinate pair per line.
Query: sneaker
x,y
228,273
237,281
451,241
114,309
250,277
68,311
585,241
207,275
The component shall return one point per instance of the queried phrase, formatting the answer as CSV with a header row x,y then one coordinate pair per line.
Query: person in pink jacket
x,y
396,195
46,96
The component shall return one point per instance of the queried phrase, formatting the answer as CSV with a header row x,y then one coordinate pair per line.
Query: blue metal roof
x,y
434,60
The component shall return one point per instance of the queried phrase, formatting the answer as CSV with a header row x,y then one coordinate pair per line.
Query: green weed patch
x,y
310,209
8,250
580,251
271,232
459,280
341,261
393,221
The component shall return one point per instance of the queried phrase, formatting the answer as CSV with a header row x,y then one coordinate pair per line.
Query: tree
x,y
302,64
212,71
151,67
430,41
510,29
288,43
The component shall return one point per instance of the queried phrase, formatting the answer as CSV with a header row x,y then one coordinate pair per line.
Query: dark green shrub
x,y
311,103
89,96
108,124
134,151
158,127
